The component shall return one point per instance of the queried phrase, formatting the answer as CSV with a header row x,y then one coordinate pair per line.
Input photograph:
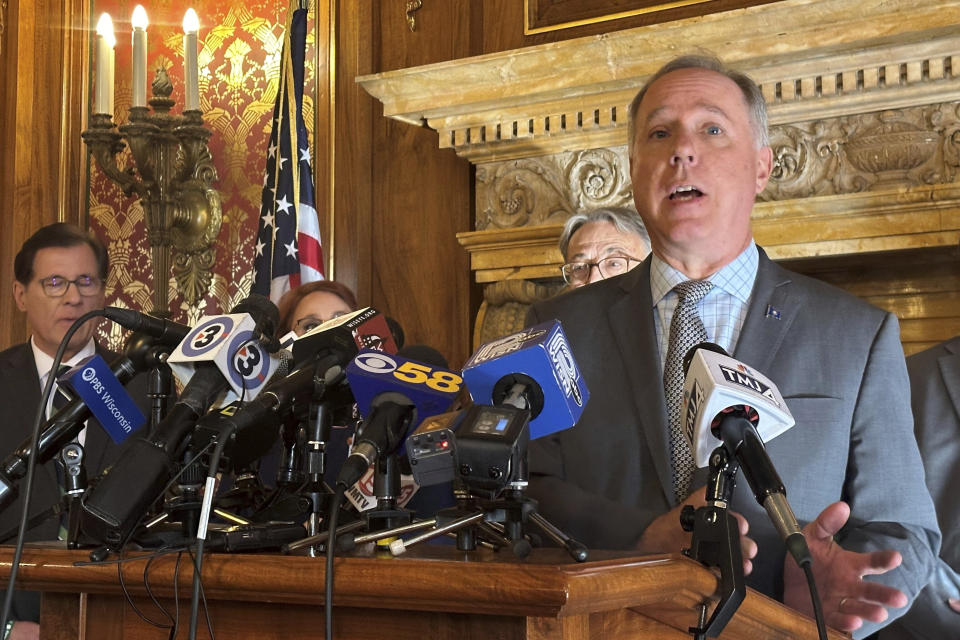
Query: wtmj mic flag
x,y
288,250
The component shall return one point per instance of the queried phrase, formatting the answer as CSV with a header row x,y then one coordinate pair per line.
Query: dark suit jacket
x,y
935,396
838,363
19,399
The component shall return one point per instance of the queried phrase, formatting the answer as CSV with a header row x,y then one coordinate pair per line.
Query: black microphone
x,y
166,331
112,508
393,394
58,431
727,402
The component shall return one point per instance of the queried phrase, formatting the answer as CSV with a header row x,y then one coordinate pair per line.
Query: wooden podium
x,y
431,593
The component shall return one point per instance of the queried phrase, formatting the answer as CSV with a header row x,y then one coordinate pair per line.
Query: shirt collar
x,y
735,278
45,362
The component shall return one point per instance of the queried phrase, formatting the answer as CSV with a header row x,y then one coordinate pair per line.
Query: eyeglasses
x,y
56,286
579,272
309,323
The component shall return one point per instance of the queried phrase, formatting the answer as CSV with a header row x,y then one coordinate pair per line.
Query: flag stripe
x,y
289,248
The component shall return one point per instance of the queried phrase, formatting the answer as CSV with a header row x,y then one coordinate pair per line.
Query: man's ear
x,y
19,295
764,167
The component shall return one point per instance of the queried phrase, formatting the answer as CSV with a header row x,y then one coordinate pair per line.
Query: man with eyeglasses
x,y
59,274
602,243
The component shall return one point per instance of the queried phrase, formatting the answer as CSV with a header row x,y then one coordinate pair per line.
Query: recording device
x,y
393,393
432,448
112,508
532,369
726,403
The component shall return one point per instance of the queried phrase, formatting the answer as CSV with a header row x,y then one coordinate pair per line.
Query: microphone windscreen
x,y
709,346
425,354
397,332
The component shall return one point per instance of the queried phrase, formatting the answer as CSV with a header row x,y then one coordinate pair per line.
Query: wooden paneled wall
x,y
399,200
42,57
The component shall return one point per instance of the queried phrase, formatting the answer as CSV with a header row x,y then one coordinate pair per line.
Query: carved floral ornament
x,y
905,147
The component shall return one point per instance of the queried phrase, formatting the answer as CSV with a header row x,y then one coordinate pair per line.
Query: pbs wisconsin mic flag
x,y
288,250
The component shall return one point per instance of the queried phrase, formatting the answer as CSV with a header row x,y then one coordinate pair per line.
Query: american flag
x,y
288,250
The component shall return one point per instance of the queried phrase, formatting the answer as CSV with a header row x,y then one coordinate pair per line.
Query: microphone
x,y
393,393
94,383
346,335
112,508
233,344
253,427
399,338
726,403
58,431
163,330
532,369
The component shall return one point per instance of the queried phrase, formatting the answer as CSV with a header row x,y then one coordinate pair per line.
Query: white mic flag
x,y
716,382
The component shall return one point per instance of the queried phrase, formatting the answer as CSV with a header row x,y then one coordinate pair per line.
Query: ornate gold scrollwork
x,y
504,307
173,178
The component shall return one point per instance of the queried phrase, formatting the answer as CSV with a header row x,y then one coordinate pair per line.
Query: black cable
x,y
146,556
203,597
146,586
176,597
815,598
129,599
32,462
221,442
328,572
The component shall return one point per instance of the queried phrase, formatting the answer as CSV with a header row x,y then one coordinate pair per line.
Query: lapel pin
x,y
773,312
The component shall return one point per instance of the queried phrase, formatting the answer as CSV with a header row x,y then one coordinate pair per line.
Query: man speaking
x,y
699,155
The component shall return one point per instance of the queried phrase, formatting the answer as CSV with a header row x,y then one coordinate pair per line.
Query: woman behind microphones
x,y
310,305
302,309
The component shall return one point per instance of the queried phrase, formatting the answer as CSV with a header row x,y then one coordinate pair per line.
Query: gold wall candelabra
x,y
172,176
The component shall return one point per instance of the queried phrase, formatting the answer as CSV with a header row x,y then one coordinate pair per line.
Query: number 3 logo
x,y
206,337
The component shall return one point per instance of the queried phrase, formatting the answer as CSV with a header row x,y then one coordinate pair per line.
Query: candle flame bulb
x,y
191,23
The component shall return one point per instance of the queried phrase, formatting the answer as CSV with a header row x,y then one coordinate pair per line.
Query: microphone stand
x,y
314,459
75,483
498,521
716,542
150,354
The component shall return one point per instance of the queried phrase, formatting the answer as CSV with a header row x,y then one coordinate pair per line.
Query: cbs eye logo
x,y
410,372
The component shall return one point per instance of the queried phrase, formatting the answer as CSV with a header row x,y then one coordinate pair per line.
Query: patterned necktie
x,y
686,330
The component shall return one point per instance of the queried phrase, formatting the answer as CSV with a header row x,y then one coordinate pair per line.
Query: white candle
x,y
191,65
139,22
103,89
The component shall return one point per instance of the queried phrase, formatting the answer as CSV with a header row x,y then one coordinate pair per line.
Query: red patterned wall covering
x,y
239,49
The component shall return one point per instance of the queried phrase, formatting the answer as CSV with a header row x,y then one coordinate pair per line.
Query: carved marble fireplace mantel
x,y
864,103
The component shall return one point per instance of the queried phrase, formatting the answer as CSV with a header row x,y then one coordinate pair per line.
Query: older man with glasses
x,y
602,243
59,274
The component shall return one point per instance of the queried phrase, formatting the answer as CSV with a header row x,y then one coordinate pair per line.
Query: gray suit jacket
x,y
839,365
935,388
